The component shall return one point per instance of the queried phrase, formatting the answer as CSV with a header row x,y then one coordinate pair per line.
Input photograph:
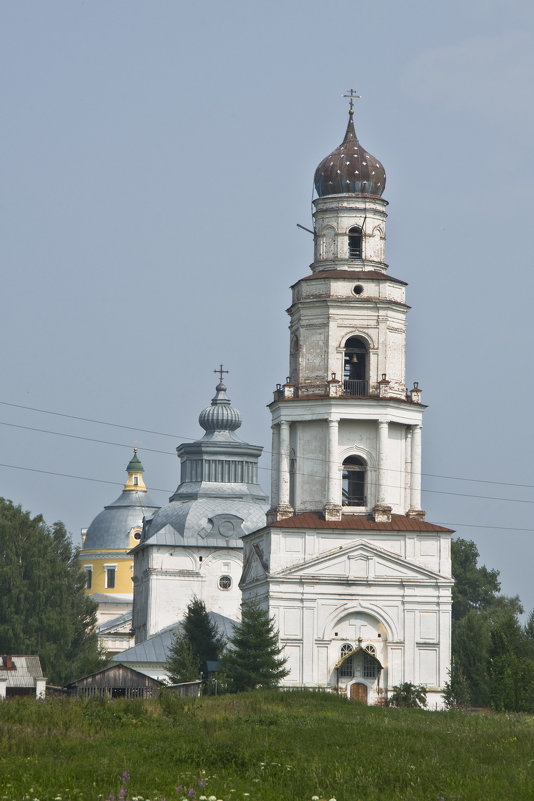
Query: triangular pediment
x,y
360,560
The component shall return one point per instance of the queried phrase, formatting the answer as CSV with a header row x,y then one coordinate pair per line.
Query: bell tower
x,y
357,581
346,432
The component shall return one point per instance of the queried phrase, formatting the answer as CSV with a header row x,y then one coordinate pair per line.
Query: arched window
x,y
355,380
355,242
370,666
353,487
346,668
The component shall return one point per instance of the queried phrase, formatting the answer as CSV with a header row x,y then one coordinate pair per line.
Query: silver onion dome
x,y
220,416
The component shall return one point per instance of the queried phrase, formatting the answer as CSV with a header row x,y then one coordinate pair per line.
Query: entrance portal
x,y
358,692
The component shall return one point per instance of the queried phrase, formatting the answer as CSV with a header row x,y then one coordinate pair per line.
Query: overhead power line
x,y
158,489
194,439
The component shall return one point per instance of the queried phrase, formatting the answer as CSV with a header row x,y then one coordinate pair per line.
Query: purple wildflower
x,y
201,783
179,788
125,776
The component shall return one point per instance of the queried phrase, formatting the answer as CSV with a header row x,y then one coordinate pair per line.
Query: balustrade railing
x,y
356,388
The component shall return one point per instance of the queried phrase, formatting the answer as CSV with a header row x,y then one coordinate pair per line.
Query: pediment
x,y
361,560
255,566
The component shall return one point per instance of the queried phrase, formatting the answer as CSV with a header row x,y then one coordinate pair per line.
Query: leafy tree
x,y
457,692
409,695
43,606
254,657
198,642
471,638
474,587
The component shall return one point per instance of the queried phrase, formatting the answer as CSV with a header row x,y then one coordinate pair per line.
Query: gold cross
x,y
352,95
221,371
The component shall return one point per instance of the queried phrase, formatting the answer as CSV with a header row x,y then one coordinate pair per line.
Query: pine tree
x,y
198,643
43,606
253,659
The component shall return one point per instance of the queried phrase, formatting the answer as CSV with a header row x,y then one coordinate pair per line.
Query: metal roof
x,y
111,528
357,523
26,670
156,648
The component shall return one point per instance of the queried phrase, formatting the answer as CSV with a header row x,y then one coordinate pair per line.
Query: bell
x,y
354,359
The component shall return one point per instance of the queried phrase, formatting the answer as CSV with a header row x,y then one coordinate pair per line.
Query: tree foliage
x,y
408,695
492,654
254,657
43,606
197,643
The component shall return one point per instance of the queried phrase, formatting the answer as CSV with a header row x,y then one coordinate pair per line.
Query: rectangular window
x,y
88,577
110,578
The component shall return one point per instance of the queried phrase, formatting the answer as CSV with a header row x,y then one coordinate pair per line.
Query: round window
x,y
225,582
358,289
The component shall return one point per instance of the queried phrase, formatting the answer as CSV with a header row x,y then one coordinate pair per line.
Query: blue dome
x,y
350,169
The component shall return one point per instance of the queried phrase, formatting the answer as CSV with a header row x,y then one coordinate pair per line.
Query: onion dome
x,y
134,465
350,169
220,416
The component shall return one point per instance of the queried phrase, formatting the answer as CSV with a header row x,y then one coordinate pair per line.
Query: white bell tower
x,y
358,582
346,433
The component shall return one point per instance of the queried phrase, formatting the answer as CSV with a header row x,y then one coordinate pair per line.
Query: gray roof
x,y
111,528
156,648
27,669
219,522
109,625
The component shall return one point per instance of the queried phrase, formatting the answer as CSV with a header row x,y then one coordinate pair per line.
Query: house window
x,y
353,486
88,577
355,242
110,577
136,481
225,582
346,669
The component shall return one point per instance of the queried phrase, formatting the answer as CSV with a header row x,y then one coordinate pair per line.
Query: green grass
x,y
273,746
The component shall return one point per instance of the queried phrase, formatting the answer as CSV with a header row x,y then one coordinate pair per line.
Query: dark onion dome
x,y
350,169
220,416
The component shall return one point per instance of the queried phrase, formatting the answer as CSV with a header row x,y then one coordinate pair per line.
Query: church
x,y
357,580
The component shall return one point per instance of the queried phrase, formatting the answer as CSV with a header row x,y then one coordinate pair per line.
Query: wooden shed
x,y
116,681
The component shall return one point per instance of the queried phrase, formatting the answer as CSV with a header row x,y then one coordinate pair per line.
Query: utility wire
x,y
194,439
157,489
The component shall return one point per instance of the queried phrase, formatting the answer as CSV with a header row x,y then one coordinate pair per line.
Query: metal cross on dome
x,y
221,371
353,96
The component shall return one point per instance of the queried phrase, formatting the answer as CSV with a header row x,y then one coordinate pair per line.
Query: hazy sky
x,y
155,159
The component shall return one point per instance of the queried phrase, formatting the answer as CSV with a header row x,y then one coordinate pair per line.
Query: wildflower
x,y
315,798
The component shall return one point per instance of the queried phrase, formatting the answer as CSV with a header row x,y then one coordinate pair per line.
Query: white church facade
x,y
192,546
358,582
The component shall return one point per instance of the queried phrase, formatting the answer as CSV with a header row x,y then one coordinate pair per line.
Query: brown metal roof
x,y
357,523
375,275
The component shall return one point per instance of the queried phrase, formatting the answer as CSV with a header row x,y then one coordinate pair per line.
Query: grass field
x,y
260,746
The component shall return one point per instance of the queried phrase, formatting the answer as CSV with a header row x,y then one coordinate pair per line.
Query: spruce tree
x,y
197,643
253,659
182,663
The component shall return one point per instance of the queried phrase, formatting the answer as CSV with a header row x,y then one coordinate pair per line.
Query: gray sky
x,y
155,159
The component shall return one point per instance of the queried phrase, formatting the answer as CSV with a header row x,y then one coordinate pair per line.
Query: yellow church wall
x,y
100,563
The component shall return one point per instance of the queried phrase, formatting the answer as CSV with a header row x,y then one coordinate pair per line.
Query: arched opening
x,y
353,483
355,242
355,380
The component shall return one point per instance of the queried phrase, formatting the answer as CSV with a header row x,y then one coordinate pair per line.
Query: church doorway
x,y
358,692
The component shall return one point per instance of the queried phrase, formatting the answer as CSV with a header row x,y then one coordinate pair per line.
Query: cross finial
x,y
351,94
221,371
